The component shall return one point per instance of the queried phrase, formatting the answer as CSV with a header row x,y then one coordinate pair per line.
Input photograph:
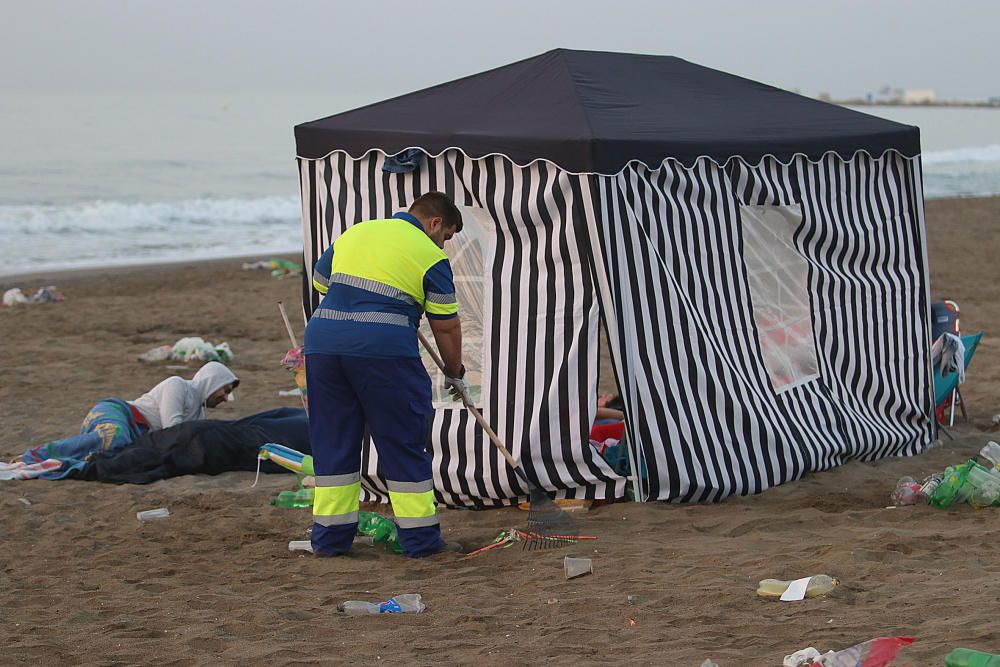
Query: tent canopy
x,y
590,111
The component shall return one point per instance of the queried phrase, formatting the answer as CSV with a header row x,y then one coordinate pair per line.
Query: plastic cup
x,y
577,567
300,545
151,515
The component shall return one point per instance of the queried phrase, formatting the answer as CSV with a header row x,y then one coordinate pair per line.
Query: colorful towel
x,y
108,428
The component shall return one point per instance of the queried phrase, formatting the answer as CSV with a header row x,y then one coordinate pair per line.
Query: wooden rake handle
x,y
475,413
295,344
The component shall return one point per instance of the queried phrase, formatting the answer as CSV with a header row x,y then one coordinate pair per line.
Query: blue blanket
x,y
107,429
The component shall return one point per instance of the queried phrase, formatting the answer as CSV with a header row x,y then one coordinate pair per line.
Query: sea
x,y
92,180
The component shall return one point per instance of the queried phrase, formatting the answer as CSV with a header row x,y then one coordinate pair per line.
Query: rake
x,y
548,525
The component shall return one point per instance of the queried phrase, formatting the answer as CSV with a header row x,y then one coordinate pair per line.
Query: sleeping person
x,y
113,424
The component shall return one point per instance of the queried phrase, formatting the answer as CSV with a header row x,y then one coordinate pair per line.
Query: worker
x,y
363,366
113,424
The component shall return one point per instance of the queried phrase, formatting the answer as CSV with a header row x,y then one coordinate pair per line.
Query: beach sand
x,y
84,582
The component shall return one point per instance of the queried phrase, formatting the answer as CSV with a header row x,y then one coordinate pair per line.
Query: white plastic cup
x,y
152,515
577,567
300,545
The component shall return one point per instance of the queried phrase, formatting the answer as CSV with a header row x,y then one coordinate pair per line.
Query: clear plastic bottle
x,y
819,584
408,603
907,492
989,456
986,494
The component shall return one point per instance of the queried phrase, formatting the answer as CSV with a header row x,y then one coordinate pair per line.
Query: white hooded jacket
x,y
176,400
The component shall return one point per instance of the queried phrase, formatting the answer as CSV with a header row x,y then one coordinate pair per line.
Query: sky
x,y
366,51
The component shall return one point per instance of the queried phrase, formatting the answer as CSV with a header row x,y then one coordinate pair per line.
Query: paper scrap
x,y
796,590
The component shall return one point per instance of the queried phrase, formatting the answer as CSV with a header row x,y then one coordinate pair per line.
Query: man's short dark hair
x,y
438,204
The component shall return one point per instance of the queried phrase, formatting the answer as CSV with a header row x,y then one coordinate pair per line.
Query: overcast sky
x,y
370,50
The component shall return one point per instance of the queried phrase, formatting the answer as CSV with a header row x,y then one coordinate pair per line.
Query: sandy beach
x,y
84,582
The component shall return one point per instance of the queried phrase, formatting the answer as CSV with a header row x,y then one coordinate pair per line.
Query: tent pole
x,y
636,487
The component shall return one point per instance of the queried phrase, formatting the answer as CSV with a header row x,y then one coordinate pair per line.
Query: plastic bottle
x,y
952,488
907,492
966,657
380,529
408,603
990,453
819,584
882,649
301,497
929,486
986,494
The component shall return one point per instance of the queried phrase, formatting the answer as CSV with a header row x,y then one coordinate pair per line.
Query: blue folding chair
x,y
946,379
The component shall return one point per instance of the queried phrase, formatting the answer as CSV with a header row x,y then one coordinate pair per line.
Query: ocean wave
x,y
116,216
115,232
974,154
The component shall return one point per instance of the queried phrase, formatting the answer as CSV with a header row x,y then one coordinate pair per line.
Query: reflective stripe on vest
x,y
370,317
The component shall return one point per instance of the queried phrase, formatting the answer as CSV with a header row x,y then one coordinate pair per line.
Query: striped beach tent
x,y
756,258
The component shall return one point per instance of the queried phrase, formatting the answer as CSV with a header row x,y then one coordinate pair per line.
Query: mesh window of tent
x,y
467,252
778,277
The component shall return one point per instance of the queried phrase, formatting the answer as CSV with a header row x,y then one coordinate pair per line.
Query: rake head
x,y
549,526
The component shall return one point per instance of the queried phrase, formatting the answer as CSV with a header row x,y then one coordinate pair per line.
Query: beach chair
x,y
947,375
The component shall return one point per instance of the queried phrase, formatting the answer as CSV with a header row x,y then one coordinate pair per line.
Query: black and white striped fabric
x,y
657,253
541,344
674,294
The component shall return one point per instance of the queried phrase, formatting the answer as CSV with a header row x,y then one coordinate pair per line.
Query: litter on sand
x,y
15,297
577,567
193,348
280,268
797,589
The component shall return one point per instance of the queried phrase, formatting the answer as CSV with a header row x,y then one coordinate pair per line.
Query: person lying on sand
x,y
113,424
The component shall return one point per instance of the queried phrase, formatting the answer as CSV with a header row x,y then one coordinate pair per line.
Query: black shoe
x,y
452,547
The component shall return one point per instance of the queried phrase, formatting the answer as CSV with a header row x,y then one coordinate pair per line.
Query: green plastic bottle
x,y
301,497
966,657
953,487
380,529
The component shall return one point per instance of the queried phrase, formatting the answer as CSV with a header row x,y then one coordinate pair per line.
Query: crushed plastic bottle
x,y
880,651
985,494
907,492
819,584
966,657
380,529
408,603
952,488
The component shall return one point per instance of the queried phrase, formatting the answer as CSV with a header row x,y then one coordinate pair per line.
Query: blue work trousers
x,y
393,397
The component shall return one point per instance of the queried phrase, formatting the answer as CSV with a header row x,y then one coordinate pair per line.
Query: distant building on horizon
x,y
919,96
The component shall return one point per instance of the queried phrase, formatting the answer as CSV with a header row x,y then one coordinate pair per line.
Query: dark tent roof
x,y
591,111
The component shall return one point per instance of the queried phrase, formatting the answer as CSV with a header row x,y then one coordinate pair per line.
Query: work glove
x,y
458,387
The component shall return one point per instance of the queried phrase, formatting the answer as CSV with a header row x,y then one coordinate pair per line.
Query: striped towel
x,y
22,470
